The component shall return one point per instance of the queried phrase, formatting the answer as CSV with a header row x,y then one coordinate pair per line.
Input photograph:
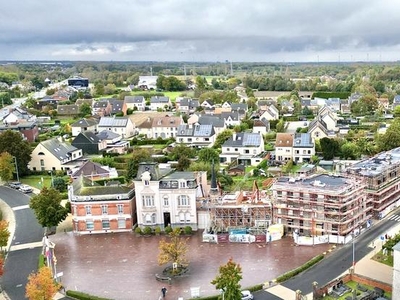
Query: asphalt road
x,y
20,263
335,263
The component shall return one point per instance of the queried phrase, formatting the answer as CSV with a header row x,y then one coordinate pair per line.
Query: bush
x,y
147,230
83,296
68,206
300,269
138,230
157,230
168,229
188,230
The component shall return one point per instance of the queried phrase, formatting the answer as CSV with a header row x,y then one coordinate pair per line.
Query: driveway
x,y
123,266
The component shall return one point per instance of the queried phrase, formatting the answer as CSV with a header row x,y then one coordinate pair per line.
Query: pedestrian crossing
x,y
394,218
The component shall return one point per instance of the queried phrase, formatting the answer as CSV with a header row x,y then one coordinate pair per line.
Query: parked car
x,y
25,189
15,184
247,295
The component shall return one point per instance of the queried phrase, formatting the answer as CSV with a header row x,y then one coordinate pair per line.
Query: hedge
x,y
326,95
300,269
83,296
252,289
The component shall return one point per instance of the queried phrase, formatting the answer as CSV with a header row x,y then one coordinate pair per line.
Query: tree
x,y
47,207
41,286
138,155
208,155
329,147
181,150
349,150
391,138
183,163
280,126
4,233
7,166
228,280
222,138
13,143
85,110
173,250
59,184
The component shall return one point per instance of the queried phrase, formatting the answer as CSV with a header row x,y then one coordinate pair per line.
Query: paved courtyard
x,y
123,266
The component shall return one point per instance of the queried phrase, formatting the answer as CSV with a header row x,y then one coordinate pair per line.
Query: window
x,y
153,218
146,183
236,149
183,200
182,217
42,162
182,184
105,224
166,200
89,225
188,217
246,151
121,223
120,209
147,201
88,209
104,209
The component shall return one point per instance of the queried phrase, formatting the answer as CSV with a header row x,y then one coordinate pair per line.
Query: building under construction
x,y
382,176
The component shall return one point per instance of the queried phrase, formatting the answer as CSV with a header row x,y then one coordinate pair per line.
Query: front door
x,y
167,219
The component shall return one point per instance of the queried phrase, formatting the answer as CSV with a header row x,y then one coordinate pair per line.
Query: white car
x,y
247,295
25,188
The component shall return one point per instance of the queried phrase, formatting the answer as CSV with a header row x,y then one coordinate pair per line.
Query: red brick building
x,y
99,209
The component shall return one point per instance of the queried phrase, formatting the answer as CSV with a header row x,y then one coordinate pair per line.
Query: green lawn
x,y
36,181
384,259
353,285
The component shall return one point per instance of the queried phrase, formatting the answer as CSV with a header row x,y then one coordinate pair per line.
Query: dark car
x,y
15,185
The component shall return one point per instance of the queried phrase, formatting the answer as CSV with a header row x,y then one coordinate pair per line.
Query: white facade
x,y
396,272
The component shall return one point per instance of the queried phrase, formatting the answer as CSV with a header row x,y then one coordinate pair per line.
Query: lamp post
x,y
51,174
16,167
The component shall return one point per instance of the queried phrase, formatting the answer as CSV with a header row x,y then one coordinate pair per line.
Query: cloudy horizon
x,y
181,30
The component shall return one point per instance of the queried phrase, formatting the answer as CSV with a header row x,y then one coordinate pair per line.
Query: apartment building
x,y
321,205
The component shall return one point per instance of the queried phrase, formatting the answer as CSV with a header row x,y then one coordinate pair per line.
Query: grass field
x,y
37,181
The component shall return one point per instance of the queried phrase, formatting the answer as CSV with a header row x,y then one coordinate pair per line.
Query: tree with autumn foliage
x,y
4,234
228,280
41,285
173,249
7,166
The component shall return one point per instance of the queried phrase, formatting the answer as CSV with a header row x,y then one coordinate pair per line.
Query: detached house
x,y
196,135
132,102
101,108
89,142
284,146
271,113
160,103
84,125
101,209
165,127
93,171
54,155
116,106
120,125
187,105
68,110
242,147
303,147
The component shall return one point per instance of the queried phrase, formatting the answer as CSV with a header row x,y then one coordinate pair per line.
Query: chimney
x,y
234,136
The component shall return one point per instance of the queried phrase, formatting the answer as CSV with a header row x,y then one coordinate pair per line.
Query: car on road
x,y
15,185
247,295
25,188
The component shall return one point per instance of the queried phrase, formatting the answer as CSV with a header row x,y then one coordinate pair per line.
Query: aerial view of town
x,y
199,150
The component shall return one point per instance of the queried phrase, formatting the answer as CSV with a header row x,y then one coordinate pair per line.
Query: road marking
x,y
20,207
396,218
26,246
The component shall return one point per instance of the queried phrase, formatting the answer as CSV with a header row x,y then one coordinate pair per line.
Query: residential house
x,y
54,155
165,127
120,125
218,123
28,130
93,171
324,125
147,82
133,103
321,205
116,106
261,126
263,105
89,102
83,125
243,148
187,105
114,142
271,113
18,115
303,147
383,103
396,101
166,198
68,110
101,209
354,97
145,128
231,119
160,103
333,104
101,108
284,146
207,104
196,135
89,143
237,170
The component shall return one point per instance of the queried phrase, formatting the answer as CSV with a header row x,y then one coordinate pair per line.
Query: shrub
x,y
300,269
147,230
157,230
168,229
188,230
138,230
83,296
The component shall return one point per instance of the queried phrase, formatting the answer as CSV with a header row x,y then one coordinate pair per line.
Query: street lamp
x,y
16,167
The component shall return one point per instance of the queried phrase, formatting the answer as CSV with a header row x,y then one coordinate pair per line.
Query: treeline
x,y
326,95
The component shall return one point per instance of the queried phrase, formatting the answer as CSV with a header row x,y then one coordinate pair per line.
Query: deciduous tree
x,y
7,166
138,155
4,233
41,285
47,207
208,155
222,138
391,138
173,250
228,280
13,143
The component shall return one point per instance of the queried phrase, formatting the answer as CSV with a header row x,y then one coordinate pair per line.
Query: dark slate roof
x,y
198,130
85,123
59,149
233,115
159,99
396,99
134,99
91,136
107,135
191,103
90,168
116,105
213,120
68,109
243,139
239,106
101,103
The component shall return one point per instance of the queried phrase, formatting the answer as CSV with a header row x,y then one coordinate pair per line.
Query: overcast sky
x,y
200,30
